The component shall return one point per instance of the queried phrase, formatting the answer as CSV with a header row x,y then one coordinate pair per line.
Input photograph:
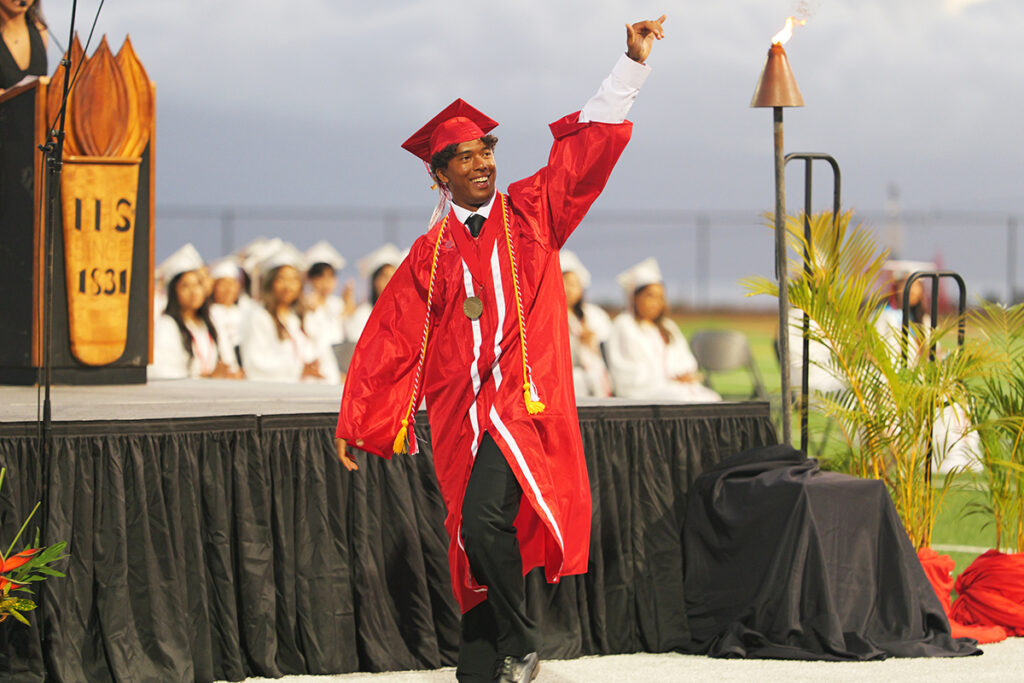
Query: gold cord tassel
x,y
401,439
532,407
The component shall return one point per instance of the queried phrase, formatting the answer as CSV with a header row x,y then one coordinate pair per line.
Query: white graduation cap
x,y
902,268
183,260
572,264
642,274
275,254
255,244
323,252
285,255
226,267
257,250
387,255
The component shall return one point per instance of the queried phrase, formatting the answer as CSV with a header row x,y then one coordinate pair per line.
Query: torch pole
x,y
782,274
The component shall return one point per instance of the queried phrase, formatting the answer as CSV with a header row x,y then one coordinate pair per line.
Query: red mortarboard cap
x,y
457,123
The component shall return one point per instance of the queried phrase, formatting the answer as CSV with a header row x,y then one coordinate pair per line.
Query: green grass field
x,y
958,523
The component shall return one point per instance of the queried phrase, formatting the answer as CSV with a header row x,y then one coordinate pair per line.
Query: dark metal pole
x,y
702,253
390,227
805,365
227,231
782,275
1011,261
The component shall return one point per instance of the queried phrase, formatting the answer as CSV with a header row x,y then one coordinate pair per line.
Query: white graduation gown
x,y
326,324
589,373
267,358
822,376
355,323
228,321
642,365
954,443
170,358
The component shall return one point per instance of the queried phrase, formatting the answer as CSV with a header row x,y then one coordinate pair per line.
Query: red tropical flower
x,y
15,561
4,583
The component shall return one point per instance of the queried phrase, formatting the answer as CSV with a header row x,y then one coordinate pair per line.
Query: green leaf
x,y
50,572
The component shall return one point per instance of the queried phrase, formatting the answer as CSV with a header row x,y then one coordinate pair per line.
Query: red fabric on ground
x,y
991,591
939,570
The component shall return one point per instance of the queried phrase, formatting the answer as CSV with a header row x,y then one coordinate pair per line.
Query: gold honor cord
x,y
401,444
532,407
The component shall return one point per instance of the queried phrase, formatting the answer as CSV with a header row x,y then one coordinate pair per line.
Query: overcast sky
x,y
266,102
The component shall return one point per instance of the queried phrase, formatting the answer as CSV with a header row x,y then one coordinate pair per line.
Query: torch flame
x,y
786,33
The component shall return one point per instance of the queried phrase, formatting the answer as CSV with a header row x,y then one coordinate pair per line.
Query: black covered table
x,y
784,560
231,546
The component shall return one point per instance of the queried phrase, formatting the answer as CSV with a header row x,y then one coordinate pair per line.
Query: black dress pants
x,y
499,626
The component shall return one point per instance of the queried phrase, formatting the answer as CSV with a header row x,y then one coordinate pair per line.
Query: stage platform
x,y
221,397
170,399
214,535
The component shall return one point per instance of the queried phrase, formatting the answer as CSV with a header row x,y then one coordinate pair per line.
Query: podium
x,y
101,309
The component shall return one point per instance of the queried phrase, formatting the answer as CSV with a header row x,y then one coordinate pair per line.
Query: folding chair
x,y
723,351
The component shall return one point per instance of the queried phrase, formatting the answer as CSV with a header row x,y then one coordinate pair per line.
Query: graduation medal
x,y
473,307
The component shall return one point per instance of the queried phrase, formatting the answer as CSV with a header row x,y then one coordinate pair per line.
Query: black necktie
x,y
474,223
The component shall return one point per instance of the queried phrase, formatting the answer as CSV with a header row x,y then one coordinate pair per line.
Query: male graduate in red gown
x,y
474,322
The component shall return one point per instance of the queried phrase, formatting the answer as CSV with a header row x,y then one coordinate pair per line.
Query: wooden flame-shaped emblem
x,y
109,123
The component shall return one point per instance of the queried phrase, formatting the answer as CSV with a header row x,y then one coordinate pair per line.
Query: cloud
x,y
884,82
957,7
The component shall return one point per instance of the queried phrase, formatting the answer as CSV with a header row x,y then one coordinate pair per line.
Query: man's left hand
x,y
640,37
349,463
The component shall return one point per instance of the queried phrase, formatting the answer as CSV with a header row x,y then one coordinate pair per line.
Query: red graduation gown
x,y
473,373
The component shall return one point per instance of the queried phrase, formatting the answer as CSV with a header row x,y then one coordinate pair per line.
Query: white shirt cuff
x,y
614,98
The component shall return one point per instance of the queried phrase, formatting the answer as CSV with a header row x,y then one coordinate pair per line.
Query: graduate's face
x,y
287,286
916,291
649,302
324,283
573,288
190,292
226,290
382,277
470,175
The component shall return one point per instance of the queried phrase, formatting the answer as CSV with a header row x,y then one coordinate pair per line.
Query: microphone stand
x,y
53,151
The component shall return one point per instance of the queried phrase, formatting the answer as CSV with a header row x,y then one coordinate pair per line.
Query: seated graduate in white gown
x,y
376,268
955,444
325,310
589,328
648,355
274,344
225,309
184,336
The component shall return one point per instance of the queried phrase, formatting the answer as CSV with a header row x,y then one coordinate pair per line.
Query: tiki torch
x,y
777,89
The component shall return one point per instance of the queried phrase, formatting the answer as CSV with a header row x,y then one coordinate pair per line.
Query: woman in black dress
x,y
23,40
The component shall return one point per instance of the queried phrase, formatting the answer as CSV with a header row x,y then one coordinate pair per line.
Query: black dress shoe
x,y
519,669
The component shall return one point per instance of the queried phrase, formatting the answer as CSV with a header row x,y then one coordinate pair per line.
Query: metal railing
x,y
703,253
